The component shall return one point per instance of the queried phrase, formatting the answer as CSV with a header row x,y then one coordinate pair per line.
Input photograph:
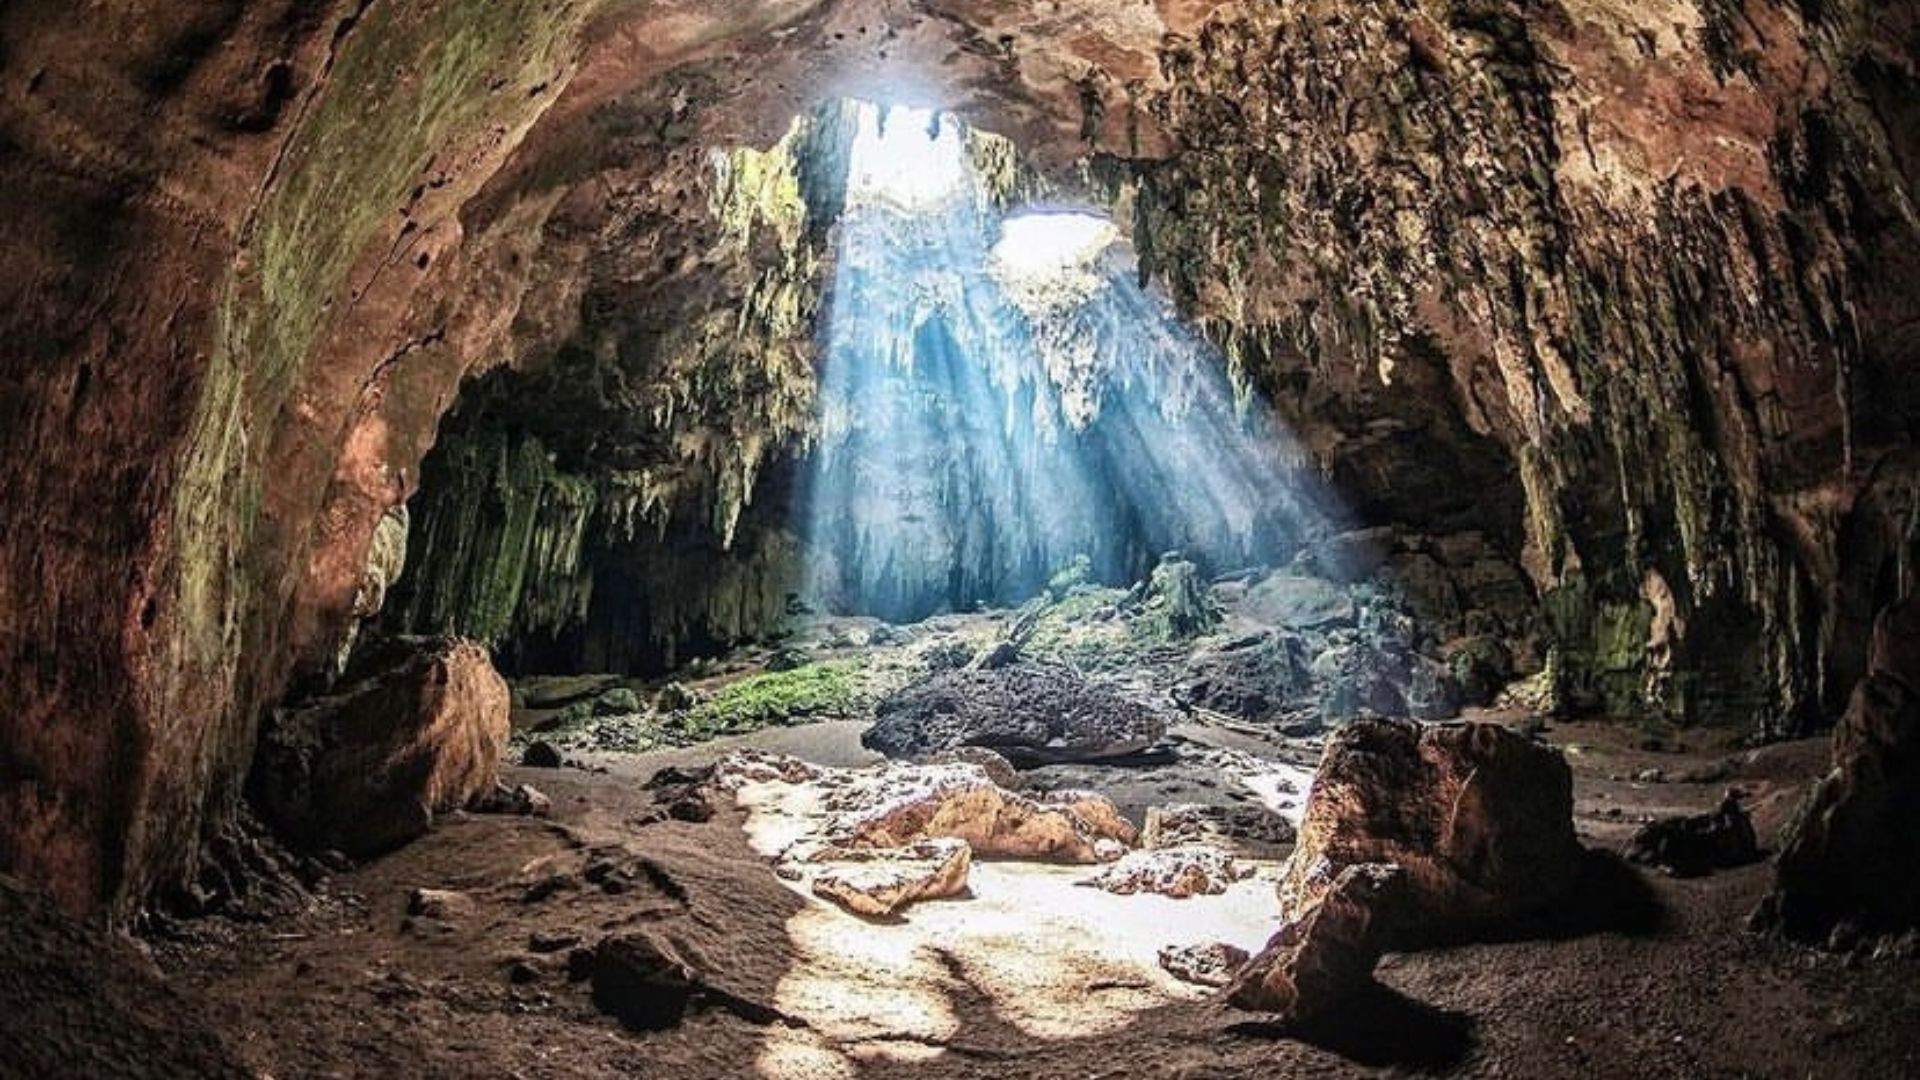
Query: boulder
x,y
1478,817
1250,830
1178,872
1329,950
880,882
1851,859
1026,712
366,769
1696,844
1207,964
1258,677
1297,602
643,980
899,805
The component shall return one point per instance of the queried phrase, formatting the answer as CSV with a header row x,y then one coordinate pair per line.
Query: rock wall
x,y
1638,272
1655,250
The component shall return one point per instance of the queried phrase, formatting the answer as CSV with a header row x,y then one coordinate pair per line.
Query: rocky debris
x,y
1026,712
743,767
1252,831
1481,667
444,904
1329,949
683,794
1478,818
559,691
897,805
880,882
1177,604
998,768
1850,862
366,769
541,754
675,697
642,980
522,799
1212,964
1697,844
1178,872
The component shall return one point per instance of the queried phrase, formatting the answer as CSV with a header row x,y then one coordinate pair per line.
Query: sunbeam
x,y
999,395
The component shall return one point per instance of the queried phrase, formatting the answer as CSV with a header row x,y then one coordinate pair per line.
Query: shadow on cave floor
x,y
1379,1027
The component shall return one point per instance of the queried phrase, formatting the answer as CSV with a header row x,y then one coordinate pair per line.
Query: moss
x,y
777,697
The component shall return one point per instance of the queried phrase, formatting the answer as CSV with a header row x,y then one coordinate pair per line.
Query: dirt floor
x,y
1639,976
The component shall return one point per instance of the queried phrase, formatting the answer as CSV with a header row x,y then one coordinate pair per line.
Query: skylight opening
x,y
908,158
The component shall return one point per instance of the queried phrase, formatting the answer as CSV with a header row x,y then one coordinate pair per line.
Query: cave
x,y
848,538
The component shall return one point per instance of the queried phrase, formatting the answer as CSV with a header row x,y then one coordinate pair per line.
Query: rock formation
x,y
1328,949
1029,712
1477,820
367,768
1624,289
1850,863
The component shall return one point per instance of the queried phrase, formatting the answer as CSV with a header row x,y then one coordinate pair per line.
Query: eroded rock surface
x,y
368,768
1851,861
881,882
1032,712
1478,819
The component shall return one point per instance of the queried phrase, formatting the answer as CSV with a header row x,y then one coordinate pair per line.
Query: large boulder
x,y
366,769
1479,818
1026,712
1258,677
1321,958
1850,863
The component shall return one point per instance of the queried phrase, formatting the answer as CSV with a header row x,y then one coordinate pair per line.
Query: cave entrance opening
x,y
1004,408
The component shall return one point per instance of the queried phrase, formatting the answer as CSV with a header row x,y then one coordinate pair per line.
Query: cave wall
x,y
1660,254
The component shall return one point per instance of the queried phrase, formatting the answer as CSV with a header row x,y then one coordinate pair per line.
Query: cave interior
x,y
853,538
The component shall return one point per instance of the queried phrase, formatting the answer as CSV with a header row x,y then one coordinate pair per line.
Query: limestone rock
x,y
997,767
1479,818
1300,603
901,804
1329,950
880,882
1697,844
1254,831
366,769
643,980
1022,711
1178,872
1258,677
1852,857
1210,964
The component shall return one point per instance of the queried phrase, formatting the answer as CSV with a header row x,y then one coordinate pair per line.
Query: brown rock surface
x,y
1478,819
1329,950
1852,857
901,804
366,769
880,882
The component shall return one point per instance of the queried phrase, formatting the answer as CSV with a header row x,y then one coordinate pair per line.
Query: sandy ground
x,y
1638,975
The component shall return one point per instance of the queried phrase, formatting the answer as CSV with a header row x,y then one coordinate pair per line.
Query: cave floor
x,y
1642,976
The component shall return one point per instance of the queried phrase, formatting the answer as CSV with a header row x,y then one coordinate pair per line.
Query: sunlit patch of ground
x,y
1034,947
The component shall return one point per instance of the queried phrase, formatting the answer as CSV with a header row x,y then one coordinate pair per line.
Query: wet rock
x,y
1697,844
1211,964
366,769
1329,949
541,754
643,980
1254,831
1299,603
1178,872
879,883
1025,712
1478,817
1852,856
